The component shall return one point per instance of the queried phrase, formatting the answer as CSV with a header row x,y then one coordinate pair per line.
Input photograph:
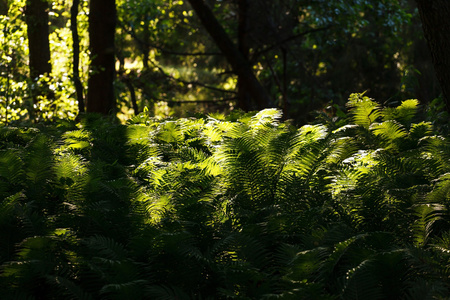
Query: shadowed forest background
x,y
295,55
224,149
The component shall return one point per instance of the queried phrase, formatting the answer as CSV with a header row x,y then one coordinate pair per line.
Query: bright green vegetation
x,y
236,207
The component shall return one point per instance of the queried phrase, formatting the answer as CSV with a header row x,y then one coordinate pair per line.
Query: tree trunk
x,y
76,55
436,26
4,7
244,100
235,58
36,16
102,25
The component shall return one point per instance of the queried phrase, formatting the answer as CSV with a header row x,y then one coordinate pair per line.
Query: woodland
x,y
224,149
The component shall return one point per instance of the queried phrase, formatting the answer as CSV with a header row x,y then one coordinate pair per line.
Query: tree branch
x,y
164,50
288,39
183,101
189,82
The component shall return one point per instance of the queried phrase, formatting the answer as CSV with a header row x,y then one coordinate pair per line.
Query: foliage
x,y
302,52
240,206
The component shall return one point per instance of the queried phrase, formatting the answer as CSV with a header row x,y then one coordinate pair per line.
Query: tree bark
x,y
36,16
4,7
436,27
102,26
76,55
235,58
244,100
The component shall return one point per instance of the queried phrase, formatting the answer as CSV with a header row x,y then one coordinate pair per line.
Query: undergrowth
x,y
227,207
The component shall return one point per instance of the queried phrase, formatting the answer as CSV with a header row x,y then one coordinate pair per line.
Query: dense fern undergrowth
x,y
238,207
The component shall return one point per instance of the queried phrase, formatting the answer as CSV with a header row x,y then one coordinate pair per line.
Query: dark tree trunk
x,y
244,100
36,13
102,25
235,58
4,6
436,26
76,55
36,16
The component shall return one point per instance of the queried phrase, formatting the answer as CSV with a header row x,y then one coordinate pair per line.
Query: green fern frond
x,y
11,172
390,132
70,288
403,113
13,137
79,141
162,292
107,247
361,283
126,289
441,190
364,111
170,132
39,161
420,130
265,117
426,216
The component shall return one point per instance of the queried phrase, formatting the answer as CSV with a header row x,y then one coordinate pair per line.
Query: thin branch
x,y
189,82
164,50
184,101
288,39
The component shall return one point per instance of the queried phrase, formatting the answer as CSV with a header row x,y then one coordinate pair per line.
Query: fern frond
x,y
11,166
361,283
364,111
107,247
390,132
403,113
71,289
162,292
427,215
170,132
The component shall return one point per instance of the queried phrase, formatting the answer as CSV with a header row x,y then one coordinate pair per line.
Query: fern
x,y
364,110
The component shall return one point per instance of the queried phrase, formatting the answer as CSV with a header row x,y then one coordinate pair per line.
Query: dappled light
x,y
219,206
251,149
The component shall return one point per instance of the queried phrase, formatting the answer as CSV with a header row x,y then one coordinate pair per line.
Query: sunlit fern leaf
x,y
438,150
170,132
403,113
420,130
441,190
390,132
309,135
77,140
212,133
364,111
265,117
142,119
138,134
312,150
69,166
341,149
